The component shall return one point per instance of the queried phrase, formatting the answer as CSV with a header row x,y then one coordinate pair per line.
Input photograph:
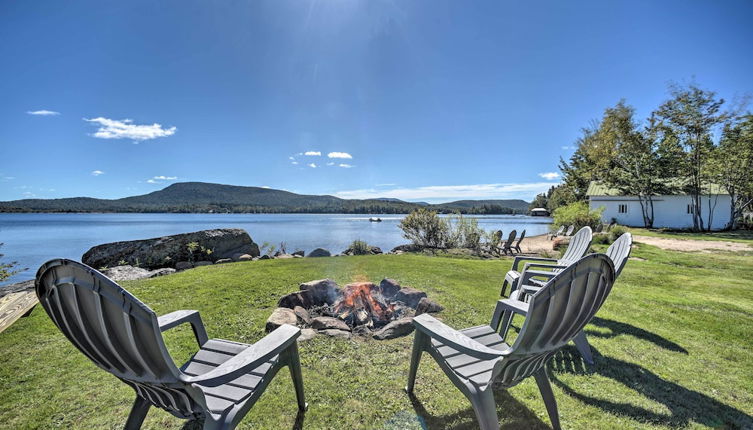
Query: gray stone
x,y
299,253
302,314
427,305
408,247
362,330
130,273
284,256
299,298
165,251
298,256
389,287
202,263
323,291
410,296
320,252
183,265
265,257
223,261
325,323
336,333
279,317
306,334
395,329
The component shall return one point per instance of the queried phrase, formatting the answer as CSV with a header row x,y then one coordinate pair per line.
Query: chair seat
x,y
468,367
212,354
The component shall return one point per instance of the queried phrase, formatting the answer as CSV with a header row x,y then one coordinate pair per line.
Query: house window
x,y
690,209
622,209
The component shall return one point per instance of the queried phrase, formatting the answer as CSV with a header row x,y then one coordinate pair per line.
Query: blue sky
x,y
419,100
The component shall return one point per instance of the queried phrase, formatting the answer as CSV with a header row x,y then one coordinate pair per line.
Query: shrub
x,y
616,232
463,232
425,228
578,214
359,247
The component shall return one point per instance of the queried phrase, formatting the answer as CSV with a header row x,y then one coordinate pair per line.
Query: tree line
x,y
694,143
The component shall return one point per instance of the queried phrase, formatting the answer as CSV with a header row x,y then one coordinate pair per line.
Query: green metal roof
x,y
598,188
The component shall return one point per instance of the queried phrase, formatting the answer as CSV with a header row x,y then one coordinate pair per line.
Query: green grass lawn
x,y
672,345
744,236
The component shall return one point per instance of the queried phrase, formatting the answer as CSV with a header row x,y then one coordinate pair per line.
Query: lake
x,y
32,239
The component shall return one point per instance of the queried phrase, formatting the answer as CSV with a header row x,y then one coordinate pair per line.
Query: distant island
x,y
202,197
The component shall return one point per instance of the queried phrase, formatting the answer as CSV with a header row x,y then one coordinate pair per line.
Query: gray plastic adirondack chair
x,y
557,233
123,336
618,253
570,230
507,246
576,249
517,243
476,357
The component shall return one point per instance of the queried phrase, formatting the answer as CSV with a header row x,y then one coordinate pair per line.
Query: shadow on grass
x,y
199,424
516,415
685,406
619,328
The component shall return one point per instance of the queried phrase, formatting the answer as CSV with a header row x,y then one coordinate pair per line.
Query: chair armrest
x,y
250,358
435,329
518,259
530,289
528,275
173,319
513,305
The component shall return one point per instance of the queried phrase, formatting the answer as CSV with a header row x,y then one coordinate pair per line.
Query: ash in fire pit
x,y
384,311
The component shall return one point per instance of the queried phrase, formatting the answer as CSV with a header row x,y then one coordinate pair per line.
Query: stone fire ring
x,y
317,308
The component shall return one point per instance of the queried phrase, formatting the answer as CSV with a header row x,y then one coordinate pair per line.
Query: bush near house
x,y
578,214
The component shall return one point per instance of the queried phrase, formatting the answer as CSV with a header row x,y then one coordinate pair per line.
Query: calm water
x,y
32,239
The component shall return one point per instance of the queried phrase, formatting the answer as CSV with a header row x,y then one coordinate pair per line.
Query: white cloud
x,y
126,129
8,178
97,172
339,155
313,153
291,158
294,162
160,179
347,166
312,165
43,112
331,163
550,176
438,193
28,194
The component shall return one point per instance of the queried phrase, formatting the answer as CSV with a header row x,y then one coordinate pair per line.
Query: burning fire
x,y
363,304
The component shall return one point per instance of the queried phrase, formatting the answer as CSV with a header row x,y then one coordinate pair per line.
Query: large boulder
x,y
326,323
319,252
279,317
166,251
427,305
410,296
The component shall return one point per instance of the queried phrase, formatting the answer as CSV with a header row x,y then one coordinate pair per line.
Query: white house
x,y
670,211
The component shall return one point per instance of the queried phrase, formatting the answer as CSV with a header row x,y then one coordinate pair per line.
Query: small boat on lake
x,y
375,219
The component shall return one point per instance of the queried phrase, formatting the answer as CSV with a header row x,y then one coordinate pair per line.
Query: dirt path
x,y
692,244
536,244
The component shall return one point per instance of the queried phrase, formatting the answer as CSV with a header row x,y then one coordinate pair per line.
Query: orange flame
x,y
360,295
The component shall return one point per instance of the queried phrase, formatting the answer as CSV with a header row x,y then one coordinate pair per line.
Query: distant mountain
x,y
204,197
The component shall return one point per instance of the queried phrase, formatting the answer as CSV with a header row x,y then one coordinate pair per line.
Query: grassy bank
x,y
744,236
672,347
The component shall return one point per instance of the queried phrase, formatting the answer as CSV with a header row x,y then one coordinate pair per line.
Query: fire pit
x,y
383,311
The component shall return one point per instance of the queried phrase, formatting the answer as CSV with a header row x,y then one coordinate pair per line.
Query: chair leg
x,y
542,380
138,413
581,342
295,373
486,409
415,358
210,424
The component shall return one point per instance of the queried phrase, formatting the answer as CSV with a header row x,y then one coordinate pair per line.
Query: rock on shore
x,y
166,251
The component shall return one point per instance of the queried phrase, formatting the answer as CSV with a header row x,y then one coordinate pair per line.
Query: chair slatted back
x,y
619,252
578,246
556,313
522,236
570,230
510,239
560,231
113,329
